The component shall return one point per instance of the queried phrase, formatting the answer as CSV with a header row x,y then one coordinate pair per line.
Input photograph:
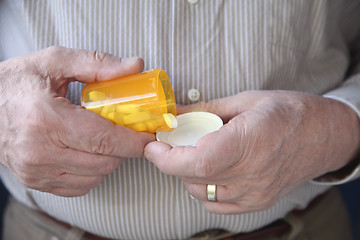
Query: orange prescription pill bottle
x,y
144,102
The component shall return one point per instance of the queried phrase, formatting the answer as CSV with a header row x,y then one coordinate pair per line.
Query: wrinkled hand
x,y
272,142
50,144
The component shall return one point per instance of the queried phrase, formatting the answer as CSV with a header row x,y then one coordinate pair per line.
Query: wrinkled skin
x,y
272,142
50,144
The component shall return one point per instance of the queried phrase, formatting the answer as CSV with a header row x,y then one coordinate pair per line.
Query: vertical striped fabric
x,y
219,47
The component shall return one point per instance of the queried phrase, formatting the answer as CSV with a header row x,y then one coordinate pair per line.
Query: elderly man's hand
x,y
272,142
50,144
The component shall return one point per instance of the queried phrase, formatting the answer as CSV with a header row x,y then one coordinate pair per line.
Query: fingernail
x,y
132,60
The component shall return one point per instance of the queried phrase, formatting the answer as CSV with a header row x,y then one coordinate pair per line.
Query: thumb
x,y
86,66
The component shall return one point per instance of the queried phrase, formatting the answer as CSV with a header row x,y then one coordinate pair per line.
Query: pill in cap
x,y
190,128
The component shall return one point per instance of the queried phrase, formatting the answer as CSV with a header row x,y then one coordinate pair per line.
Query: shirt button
x,y
192,1
193,95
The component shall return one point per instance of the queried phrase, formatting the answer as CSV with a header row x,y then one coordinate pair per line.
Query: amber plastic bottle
x,y
144,102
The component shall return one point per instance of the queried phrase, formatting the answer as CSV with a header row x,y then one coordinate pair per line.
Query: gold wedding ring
x,y
211,192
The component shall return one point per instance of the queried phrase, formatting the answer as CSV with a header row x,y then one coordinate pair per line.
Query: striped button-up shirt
x,y
219,48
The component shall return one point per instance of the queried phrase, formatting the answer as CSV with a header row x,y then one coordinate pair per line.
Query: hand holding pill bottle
x,y
144,102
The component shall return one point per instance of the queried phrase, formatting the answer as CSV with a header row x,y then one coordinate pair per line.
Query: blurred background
x,y
351,196
3,198
349,191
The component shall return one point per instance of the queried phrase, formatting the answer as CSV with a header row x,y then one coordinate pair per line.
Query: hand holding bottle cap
x,y
190,128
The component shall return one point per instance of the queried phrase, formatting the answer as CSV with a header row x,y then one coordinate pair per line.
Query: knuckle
x,y
28,180
265,201
29,162
108,166
230,195
210,208
99,56
96,182
192,190
88,184
263,206
269,203
25,179
54,51
29,159
102,144
64,192
81,192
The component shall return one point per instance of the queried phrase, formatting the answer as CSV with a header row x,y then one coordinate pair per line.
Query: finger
x,y
71,181
71,126
86,131
66,192
225,208
213,154
199,191
186,161
250,200
244,205
85,66
169,160
87,164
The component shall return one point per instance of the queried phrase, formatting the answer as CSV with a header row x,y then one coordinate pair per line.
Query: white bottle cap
x,y
190,128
